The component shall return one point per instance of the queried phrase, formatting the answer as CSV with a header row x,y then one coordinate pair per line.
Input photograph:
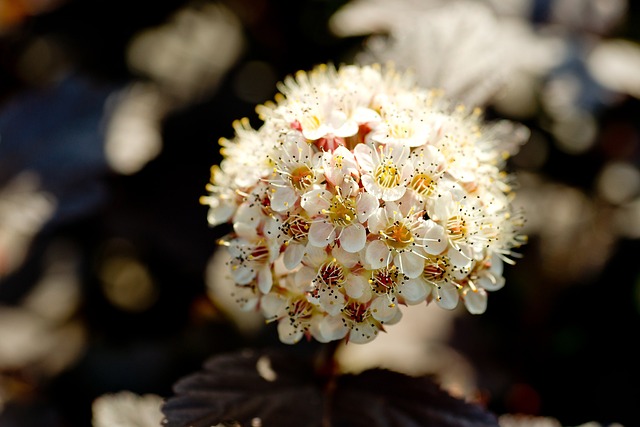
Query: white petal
x,y
353,238
413,291
490,282
321,234
377,221
356,285
315,256
283,199
328,328
220,214
293,255
345,258
243,274
265,279
248,215
435,238
366,115
246,231
287,333
395,319
363,155
377,254
348,128
332,302
315,201
315,133
303,278
393,194
366,205
475,301
364,333
446,296
461,261
273,305
382,309
410,264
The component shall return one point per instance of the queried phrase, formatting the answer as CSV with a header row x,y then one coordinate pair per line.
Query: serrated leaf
x,y
282,389
242,386
378,397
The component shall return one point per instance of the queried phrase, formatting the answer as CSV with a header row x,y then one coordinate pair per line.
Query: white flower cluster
x,y
360,193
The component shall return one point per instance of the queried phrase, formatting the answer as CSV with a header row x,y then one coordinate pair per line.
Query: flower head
x,y
359,194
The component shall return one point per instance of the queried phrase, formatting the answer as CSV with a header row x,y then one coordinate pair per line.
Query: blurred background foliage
x,y
110,112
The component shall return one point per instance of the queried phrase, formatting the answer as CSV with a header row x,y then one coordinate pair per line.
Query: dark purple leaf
x,y
241,386
383,398
282,389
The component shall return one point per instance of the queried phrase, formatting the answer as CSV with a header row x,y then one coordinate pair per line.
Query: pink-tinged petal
x,y
377,221
283,199
265,279
461,261
366,115
314,133
442,207
303,278
333,174
410,264
377,254
356,285
328,328
363,155
393,194
366,205
382,309
245,231
243,275
435,239
364,334
288,333
345,258
475,301
315,201
446,296
221,213
353,238
490,282
370,185
273,305
247,214
348,128
321,234
349,186
398,152
395,319
314,256
413,291
332,302
293,255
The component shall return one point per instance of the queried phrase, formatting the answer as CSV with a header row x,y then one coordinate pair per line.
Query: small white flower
x,y
339,164
297,168
338,217
384,169
403,240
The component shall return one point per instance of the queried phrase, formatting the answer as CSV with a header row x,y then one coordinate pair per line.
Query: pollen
x,y
397,235
387,174
341,211
422,184
301,177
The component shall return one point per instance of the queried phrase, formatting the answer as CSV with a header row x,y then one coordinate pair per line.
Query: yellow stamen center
x,y
387,175
301,177
341,211
397,235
